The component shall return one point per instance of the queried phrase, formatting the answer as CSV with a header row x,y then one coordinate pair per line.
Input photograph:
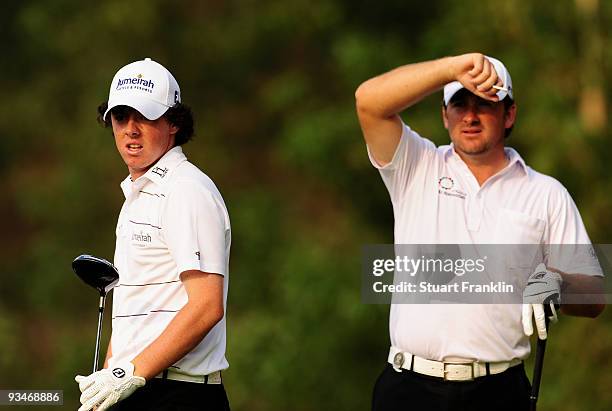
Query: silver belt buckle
x,y
468,364
398,360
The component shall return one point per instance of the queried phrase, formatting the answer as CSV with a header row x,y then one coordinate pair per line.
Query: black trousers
x,y
409,391
170,395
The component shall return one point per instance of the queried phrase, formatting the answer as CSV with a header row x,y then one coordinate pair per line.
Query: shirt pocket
x,y
514,227
519,236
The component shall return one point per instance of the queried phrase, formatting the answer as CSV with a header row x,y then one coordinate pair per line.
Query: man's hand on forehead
x,y
477,74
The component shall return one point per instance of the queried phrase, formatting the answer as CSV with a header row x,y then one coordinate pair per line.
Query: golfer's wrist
x,y
141,369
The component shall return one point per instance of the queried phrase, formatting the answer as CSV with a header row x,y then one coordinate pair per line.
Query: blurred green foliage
x,y
271,83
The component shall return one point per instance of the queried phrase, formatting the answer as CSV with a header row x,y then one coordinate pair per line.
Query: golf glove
x,y
108,386
543,290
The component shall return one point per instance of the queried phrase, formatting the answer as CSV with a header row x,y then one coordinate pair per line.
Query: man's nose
x,y
132,126
471,114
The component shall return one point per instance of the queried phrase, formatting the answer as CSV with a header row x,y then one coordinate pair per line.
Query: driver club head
x,y
96,272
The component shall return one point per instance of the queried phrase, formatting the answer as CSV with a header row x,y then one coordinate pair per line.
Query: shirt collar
x,y
515,157
512,155
159,173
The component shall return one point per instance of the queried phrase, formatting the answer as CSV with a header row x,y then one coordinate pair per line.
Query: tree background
x,y
272,85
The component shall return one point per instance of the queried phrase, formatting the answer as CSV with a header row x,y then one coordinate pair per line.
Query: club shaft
x,y
537,375
99,333
537,371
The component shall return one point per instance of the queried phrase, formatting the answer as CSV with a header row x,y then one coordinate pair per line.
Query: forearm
x,y
586,292
109,353
583,310
392,92
380,100
183,333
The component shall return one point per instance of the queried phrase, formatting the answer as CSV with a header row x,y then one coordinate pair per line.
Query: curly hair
x,y
179,115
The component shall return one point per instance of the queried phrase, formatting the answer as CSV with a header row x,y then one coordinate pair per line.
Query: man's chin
x,y
472,151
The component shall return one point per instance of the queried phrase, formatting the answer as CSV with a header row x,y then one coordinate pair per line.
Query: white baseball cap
x,y
506,90
146,86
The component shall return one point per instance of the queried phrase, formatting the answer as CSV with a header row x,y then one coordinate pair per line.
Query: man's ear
x,y
510,116
444,118
173,129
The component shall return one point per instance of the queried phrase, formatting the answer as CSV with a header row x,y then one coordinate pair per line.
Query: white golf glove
x,y
108,386
543,289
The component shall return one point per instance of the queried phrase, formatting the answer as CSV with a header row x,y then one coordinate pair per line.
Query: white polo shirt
x,y
437,200
173,220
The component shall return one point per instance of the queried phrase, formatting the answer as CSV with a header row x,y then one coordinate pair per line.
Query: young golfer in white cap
x,y
473,191
167,347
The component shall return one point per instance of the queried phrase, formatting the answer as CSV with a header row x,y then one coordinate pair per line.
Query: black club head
x,y
96,272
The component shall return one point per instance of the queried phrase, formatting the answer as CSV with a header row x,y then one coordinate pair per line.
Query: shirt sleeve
x,y
196,229
407,160
569,246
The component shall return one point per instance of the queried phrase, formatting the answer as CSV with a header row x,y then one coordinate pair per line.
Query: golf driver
x,y
101,275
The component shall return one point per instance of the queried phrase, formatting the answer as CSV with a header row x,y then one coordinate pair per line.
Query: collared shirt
x,y
437,200
173,220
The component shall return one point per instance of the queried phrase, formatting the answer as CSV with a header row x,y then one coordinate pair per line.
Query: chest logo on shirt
x,y
141,237
446,186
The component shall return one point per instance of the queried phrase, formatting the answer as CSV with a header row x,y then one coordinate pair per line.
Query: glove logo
x,y
119,372
539,275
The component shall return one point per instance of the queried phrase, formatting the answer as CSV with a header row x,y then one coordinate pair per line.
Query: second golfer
x,y
167,347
